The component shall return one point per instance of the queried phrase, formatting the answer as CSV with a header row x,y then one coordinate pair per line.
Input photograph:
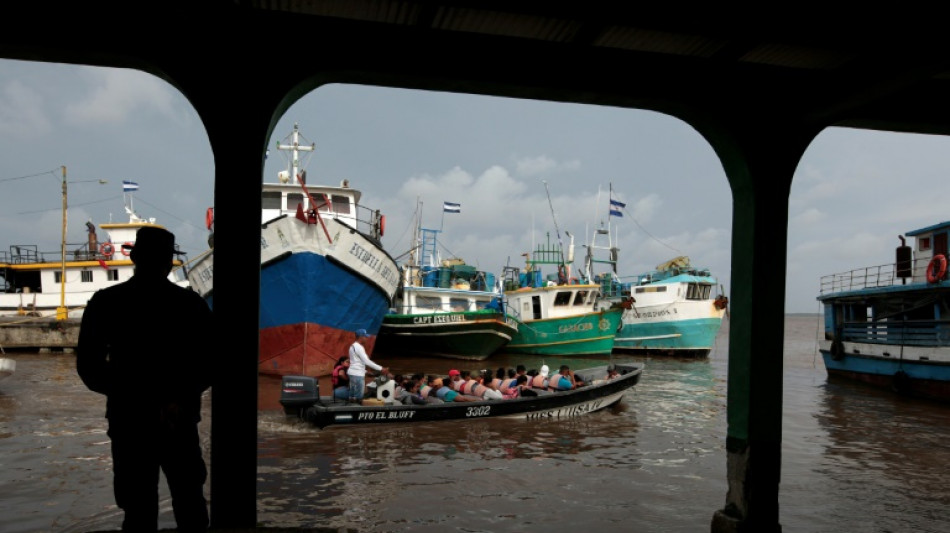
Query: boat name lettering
x,y
369,259
573,410
654,314
206,274
385,415
298,384
586,326
481,410
437,319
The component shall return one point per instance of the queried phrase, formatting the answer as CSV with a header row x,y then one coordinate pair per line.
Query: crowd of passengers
x,y
468,386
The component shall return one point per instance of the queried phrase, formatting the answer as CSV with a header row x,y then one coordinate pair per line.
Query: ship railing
x,y
29,254
904,332
369,221
873,277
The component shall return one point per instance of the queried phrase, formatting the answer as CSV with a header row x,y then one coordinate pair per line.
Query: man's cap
x,y
545,370
153,240
454,372
361,333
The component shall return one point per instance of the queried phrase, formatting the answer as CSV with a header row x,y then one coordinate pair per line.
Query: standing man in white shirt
x,y
359,360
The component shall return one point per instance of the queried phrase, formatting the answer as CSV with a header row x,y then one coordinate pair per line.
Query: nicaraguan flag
x,y
128,186
615,206
449,207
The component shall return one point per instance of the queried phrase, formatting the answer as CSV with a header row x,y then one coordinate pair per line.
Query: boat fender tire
x,y
901,382
937,269
837,350
125,251
106,249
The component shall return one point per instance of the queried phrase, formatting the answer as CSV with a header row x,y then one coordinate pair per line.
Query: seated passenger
x,y
446,394
414,392
563,380
427,390
485,388
612,372
541,380
340,380
514,391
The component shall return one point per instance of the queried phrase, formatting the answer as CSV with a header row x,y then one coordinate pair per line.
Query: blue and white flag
x,y
128,186
449,207
615,206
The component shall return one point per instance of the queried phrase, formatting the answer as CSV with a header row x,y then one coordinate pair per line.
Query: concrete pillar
x,y
759,160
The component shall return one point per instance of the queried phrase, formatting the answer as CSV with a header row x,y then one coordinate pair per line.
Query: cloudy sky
x,y
507,162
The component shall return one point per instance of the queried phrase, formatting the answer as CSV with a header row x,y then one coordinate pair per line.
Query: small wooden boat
x,y
300,396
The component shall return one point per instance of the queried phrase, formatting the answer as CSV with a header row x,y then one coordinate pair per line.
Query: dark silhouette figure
x,y
142,344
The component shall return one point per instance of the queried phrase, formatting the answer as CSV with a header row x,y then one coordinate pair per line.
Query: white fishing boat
x,y
57,284
324,272
675,309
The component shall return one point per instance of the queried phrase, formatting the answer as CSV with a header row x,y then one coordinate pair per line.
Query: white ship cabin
x,y
332,202
557,301
929,242
425,300
452,288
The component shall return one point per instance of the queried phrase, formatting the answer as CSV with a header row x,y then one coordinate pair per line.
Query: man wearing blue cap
x,y
359,360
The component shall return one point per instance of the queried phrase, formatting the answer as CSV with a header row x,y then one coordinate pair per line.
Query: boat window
x,y
458,304
270,200
661,288
924,243
432,303
562,298
112,274
697,291
86,276
294,199
58,277
580,298
341,204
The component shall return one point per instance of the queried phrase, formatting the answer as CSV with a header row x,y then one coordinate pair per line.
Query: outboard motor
x,y
385,390
297,393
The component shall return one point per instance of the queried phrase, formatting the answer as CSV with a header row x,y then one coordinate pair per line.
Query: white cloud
x,y
22,112
118,93
544,165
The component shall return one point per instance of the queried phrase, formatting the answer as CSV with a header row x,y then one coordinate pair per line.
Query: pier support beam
x,y
759,160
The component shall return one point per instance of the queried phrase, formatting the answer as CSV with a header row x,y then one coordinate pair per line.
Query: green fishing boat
x,y
555,312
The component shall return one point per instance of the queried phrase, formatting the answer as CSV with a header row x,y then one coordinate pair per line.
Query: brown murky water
x,y
854,459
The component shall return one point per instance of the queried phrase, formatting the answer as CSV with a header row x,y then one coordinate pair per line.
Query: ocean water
x,y
853,458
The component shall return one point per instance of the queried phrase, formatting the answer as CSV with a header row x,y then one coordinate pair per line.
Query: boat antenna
x,y
556,229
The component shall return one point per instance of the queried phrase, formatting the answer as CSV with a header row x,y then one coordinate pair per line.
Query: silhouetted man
x,y
142,344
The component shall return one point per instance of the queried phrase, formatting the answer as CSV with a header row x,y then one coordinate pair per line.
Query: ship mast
x,y
295,148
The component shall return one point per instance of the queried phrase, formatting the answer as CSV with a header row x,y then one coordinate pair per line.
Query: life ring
x,y
209,217
106,249
937,268
837,350
125,251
